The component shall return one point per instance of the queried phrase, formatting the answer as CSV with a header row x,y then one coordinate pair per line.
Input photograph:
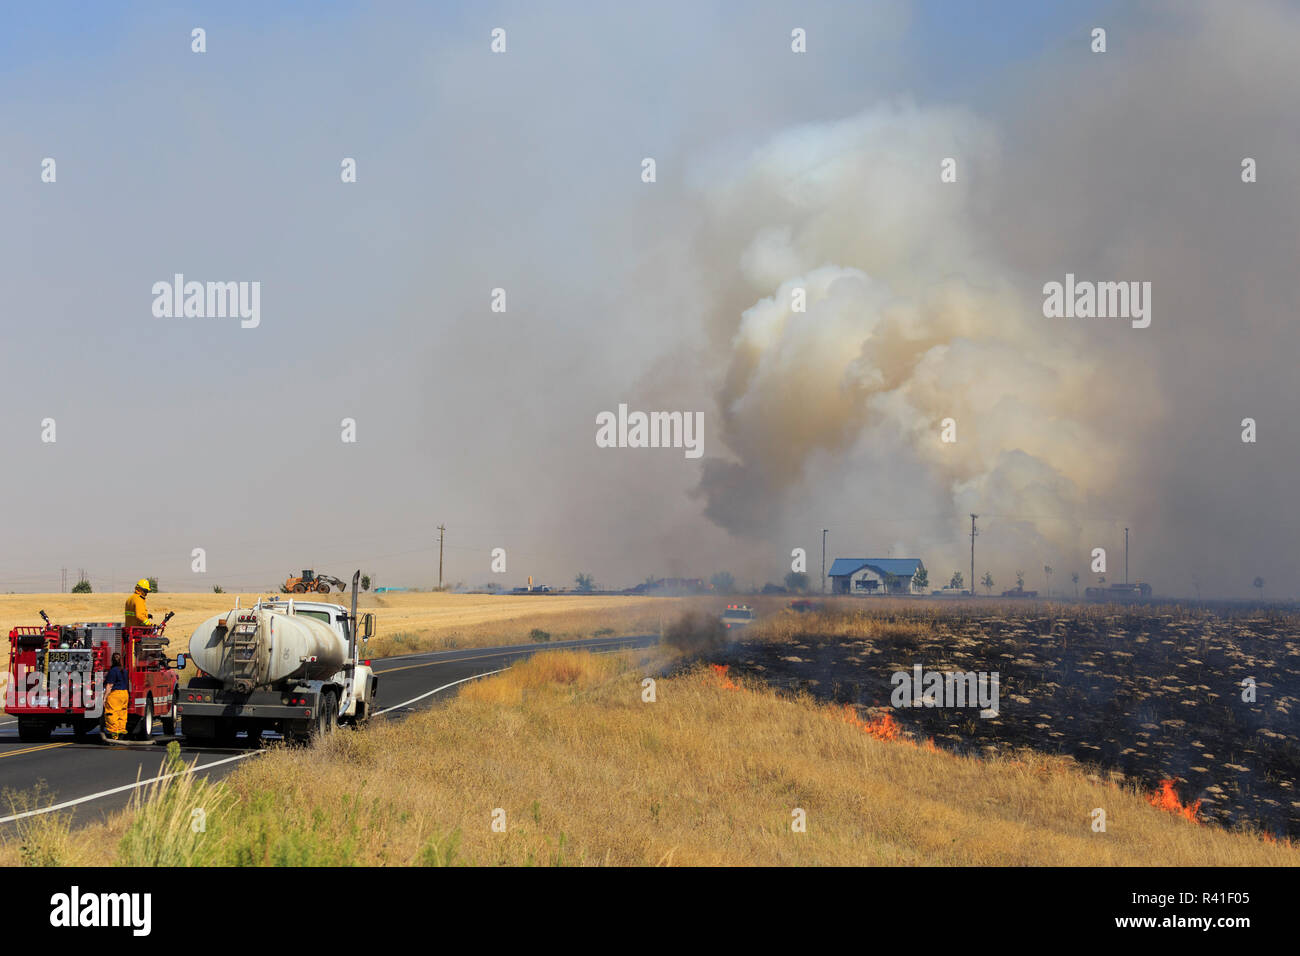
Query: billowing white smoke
x,y
906,325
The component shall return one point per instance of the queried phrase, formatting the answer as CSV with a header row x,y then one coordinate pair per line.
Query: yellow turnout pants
x,y
115,712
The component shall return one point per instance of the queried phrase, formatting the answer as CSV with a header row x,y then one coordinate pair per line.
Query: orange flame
x,y
1166,798
883,727
720,671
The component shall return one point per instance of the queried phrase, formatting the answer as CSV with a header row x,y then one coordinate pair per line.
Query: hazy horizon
x,y
775,171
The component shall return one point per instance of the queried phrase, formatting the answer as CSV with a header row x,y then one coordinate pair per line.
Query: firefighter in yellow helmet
x,y
137,615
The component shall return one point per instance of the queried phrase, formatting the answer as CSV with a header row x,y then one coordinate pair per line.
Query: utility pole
x,y
824,530
1126,555
442,530
973,533
63,588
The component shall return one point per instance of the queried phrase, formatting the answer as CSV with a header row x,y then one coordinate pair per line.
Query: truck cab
x,y
737,615
357,679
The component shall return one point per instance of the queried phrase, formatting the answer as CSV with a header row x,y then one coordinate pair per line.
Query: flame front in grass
x,y
883,727
1166,798
720,670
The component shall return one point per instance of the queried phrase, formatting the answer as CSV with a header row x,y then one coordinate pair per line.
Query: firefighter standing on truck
x,y
117,689
137,615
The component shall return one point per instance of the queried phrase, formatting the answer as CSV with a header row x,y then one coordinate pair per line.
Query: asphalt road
x,y
92,780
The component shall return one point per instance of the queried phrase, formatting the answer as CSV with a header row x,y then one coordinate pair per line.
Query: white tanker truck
x,y
293,667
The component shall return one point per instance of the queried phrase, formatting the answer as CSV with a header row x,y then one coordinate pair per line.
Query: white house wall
x,y
866,574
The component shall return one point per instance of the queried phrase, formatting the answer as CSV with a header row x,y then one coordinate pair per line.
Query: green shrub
x,y
178,819
442,851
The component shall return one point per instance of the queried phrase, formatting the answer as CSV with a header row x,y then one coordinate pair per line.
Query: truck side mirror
x,y
181,660
367,627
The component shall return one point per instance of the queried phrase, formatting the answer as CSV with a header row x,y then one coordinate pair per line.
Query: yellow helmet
x,y
143,584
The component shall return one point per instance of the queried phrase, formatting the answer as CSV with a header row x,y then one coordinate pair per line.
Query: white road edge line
x,y
129,786
434,691
216,763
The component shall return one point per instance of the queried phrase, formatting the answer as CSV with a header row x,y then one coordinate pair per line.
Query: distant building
x,y
875,576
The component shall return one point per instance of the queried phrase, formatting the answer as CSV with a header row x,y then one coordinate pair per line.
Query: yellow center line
x,y
30,750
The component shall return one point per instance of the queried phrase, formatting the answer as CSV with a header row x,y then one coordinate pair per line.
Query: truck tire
x,y
169,722
327,721
33,730
324,589
143,728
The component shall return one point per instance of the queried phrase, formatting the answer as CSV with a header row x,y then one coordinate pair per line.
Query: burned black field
x,y
1143,693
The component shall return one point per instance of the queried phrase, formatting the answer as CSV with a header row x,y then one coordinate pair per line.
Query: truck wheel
x,y
327,720
227,733
169,722
300,589
324,589
143,729
33,730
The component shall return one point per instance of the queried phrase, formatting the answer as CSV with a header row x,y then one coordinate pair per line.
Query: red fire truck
x,y
56,678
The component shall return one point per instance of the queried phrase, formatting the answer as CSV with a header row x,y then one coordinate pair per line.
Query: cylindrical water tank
x,y
259,647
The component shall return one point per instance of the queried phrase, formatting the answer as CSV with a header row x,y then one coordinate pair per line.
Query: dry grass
x,y
407,622
45,840
588,773
404,622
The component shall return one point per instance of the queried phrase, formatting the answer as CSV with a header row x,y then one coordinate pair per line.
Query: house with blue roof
x,y
875,576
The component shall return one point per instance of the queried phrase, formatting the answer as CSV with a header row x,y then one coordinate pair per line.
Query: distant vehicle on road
x,y
1119,592
1019,593
737,615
